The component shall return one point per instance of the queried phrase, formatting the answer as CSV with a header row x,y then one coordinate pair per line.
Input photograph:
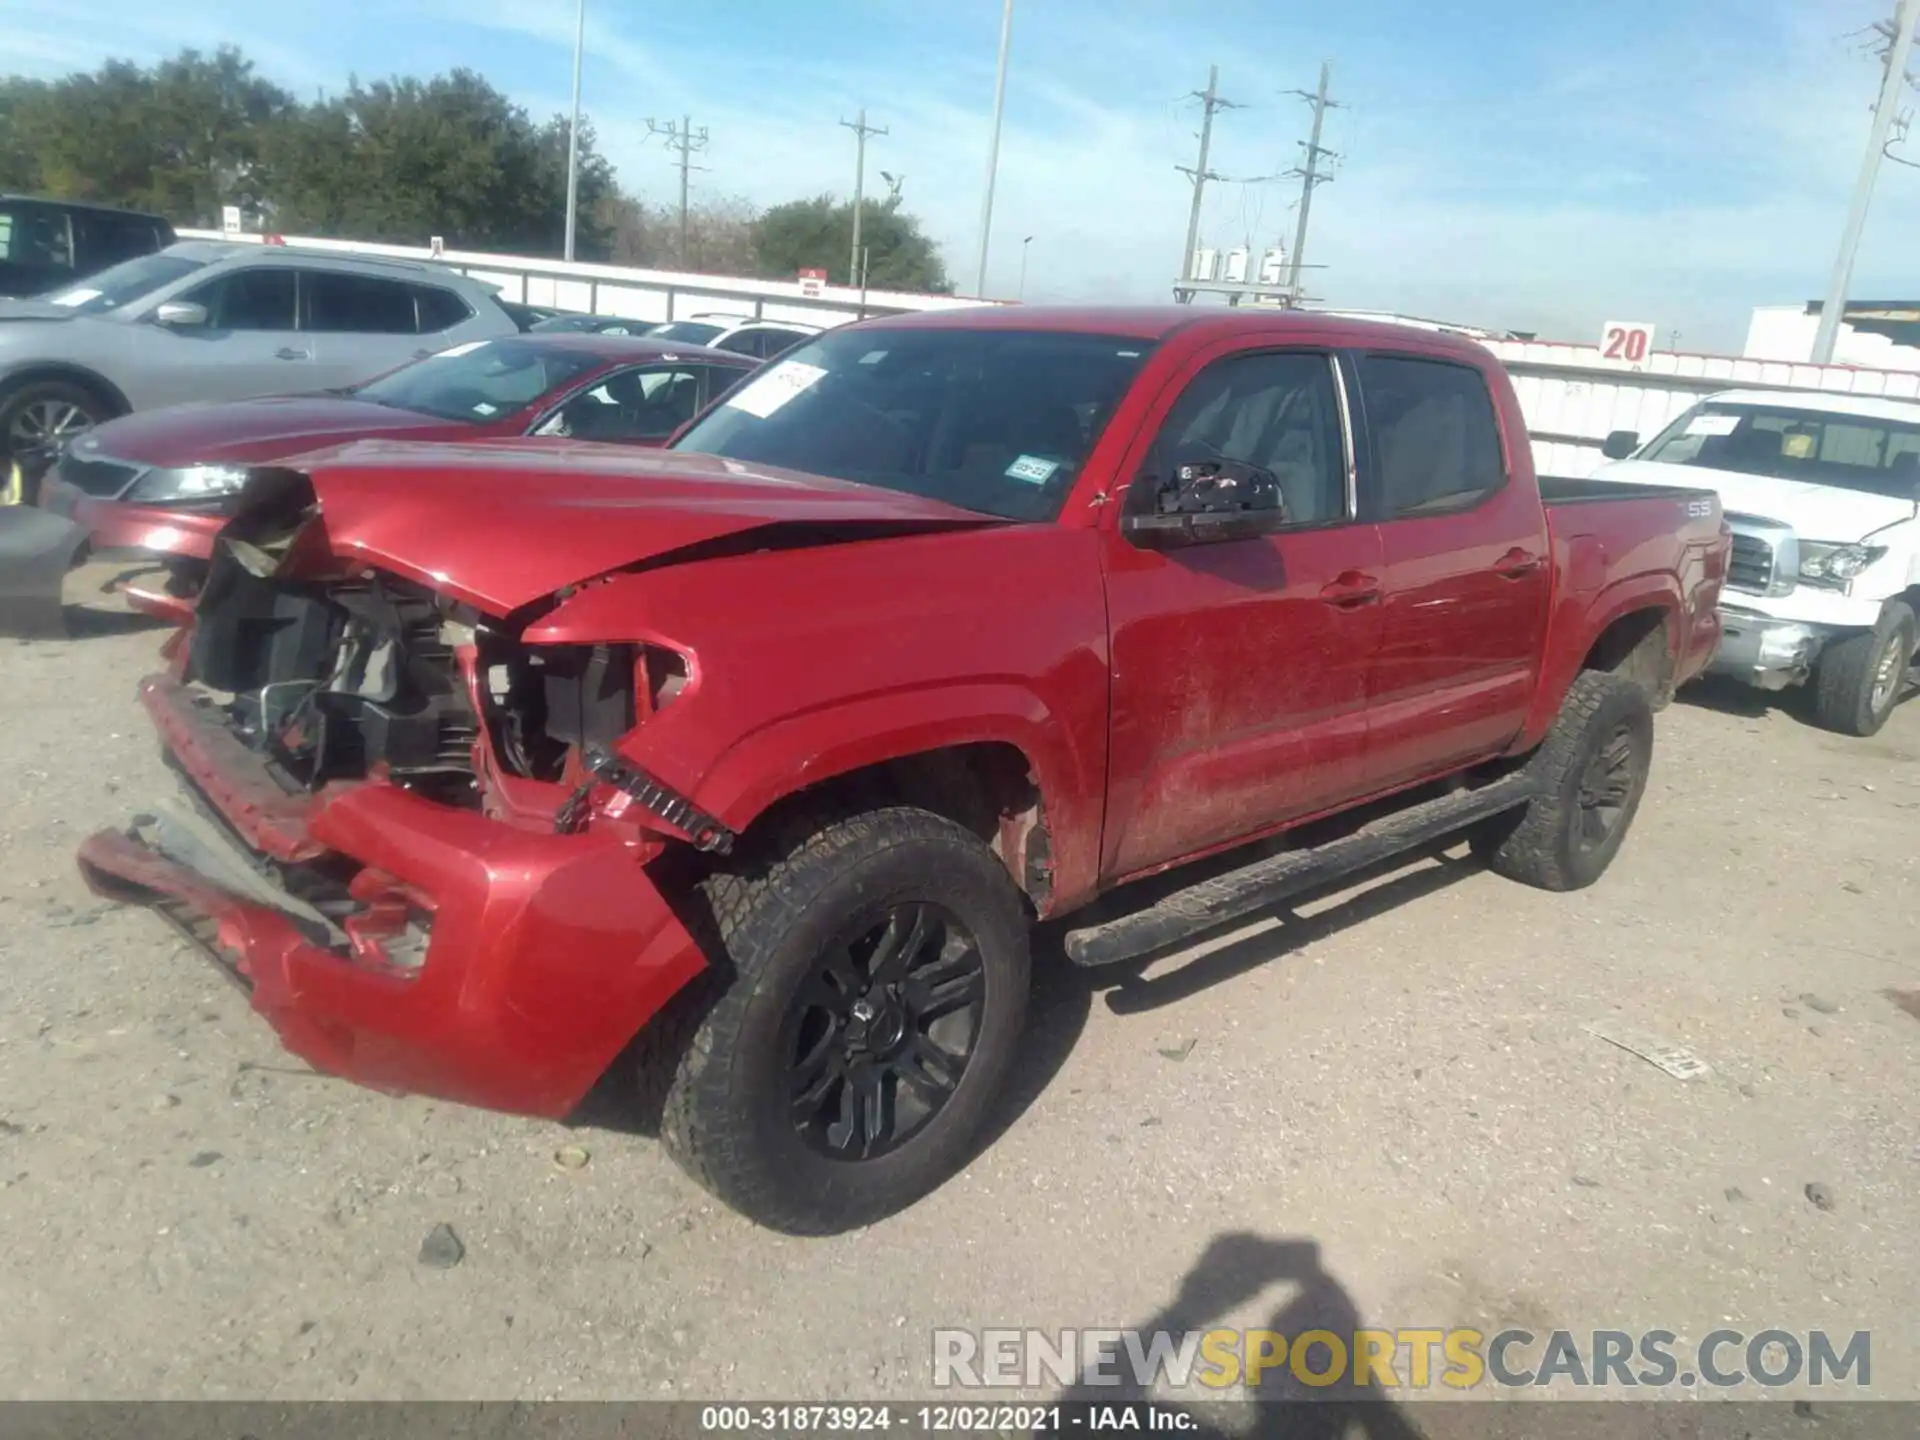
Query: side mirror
x,y
1620,444
1205,502
180,315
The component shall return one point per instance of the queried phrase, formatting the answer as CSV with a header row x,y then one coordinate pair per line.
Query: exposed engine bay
x,y
340,679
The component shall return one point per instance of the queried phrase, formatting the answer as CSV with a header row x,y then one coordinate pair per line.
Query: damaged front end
x,y
408,833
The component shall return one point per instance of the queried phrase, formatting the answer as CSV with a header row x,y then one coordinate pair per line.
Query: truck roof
x,y
1157,322
1866,407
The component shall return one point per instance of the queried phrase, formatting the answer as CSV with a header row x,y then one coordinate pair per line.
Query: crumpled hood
x,y
1816,512
500,526
254,431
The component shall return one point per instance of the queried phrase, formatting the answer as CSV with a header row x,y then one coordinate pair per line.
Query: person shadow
x,y
1236,1267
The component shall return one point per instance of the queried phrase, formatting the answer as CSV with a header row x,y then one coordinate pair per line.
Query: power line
x,y
680,135
861,130
1311,174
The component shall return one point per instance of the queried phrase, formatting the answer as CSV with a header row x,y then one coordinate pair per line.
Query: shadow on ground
x,y
1235,1268
1727,696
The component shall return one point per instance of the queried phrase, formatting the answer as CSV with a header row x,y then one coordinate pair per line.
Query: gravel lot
x,y
1398,1073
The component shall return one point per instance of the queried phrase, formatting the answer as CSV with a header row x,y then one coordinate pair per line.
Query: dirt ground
x,y
1398,1073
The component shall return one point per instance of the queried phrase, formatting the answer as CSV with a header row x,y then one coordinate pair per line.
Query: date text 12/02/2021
x,y
942,1419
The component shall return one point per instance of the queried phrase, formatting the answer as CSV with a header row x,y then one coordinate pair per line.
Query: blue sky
x,y
1539,165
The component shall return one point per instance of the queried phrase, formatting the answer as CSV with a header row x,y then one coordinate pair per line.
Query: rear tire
x,y
877,997
1858,680
1592,769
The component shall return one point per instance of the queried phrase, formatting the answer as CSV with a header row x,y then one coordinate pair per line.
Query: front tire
x,y
1592,769
877,997
43,414
1858,679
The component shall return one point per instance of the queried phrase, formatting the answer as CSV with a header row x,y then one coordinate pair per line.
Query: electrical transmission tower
x,y
680,135
1899,35
861,130
1211,100
1310,173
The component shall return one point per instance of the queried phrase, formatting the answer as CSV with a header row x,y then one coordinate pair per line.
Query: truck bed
x,y
1565,490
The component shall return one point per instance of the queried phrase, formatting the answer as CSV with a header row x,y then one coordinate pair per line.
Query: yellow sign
x,y
16,488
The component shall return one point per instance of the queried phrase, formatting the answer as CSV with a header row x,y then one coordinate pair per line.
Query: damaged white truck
x,y
1822,493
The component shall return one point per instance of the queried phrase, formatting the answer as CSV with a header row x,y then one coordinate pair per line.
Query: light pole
x,y
573,131
993,146
1833,308
1021,293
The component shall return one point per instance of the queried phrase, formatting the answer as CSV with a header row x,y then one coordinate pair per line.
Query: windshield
x,y
685,332
1852,452
996,421
122,284
478,382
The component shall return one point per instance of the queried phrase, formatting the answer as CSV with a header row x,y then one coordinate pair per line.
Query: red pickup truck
x,y
748,764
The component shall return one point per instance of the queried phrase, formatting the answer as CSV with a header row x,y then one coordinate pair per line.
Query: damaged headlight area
x,y
336,681
197,486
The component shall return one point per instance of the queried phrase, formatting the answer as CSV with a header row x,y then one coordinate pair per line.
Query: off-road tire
x,y
1845,677
1540,843
724,1117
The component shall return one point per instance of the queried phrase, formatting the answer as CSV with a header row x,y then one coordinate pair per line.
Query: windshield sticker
x,y
1032,469
1713,424
873,357
457,351
486,407
1797,447
75,297
764,394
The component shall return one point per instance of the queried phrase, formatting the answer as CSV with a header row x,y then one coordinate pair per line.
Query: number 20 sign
x,y
1628,340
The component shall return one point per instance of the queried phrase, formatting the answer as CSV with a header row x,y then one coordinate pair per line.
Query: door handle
x,y
1516,563
288,352
1351,589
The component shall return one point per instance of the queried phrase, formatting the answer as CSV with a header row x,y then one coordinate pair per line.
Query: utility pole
x,y
1833,308
683,137
573,131
1210,100
1311,175
993,145
861,130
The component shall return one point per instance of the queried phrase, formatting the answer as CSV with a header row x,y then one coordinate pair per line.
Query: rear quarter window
x,y
439,309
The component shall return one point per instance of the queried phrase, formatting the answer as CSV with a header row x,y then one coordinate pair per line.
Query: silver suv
x,y
203,320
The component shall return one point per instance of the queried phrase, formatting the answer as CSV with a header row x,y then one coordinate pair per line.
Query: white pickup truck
x,y
1823,496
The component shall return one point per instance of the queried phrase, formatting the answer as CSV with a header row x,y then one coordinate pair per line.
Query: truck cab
x,y
1822,493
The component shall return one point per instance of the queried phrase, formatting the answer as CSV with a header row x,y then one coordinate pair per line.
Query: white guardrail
x,y
1572,398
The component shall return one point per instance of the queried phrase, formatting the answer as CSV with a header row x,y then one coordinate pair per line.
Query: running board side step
x,y
1225,898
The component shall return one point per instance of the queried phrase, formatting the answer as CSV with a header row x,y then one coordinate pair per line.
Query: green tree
x,y
818,234
404,159
182,139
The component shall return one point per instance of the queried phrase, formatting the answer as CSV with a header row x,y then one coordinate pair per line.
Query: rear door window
x,y
1436,444
337,302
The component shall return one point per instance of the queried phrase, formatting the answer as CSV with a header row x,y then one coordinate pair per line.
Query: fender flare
x,y
32,371
798,752
1652,590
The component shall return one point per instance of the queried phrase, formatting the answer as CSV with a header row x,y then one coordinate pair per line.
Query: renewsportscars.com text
x,y
1399,1360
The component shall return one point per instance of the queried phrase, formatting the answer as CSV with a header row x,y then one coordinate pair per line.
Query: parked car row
x,y
748,761
743,335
